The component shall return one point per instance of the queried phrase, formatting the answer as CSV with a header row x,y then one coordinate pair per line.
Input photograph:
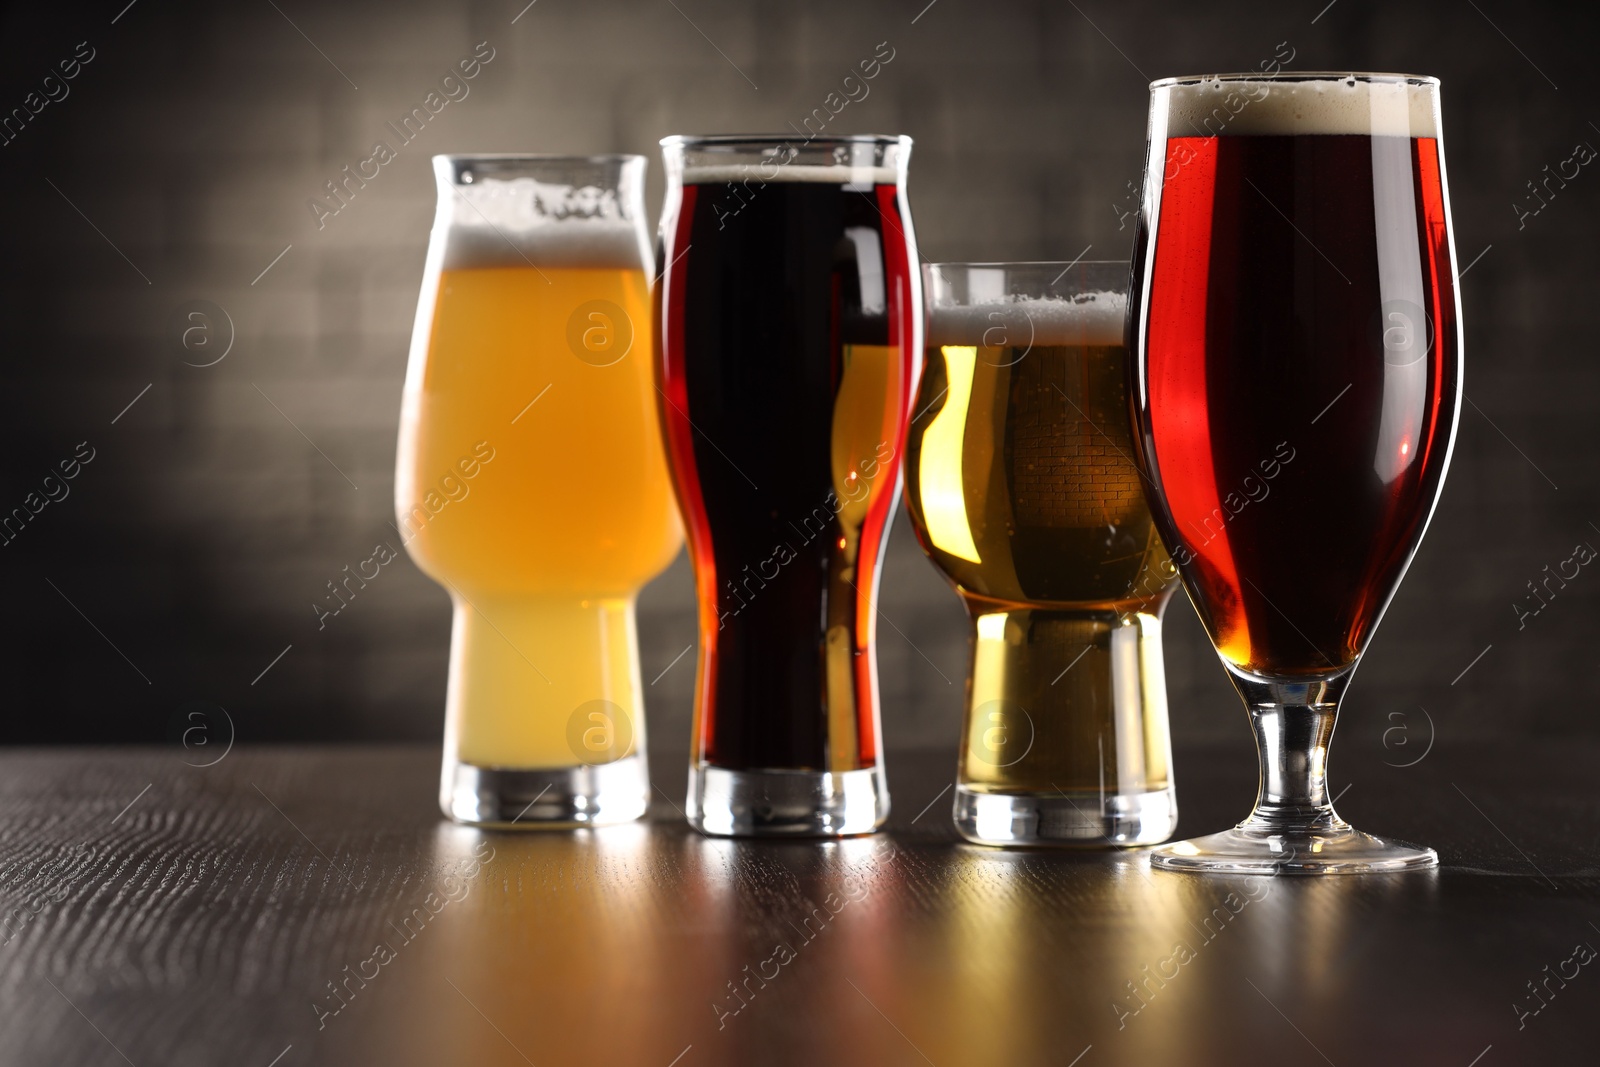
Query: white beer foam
x,y
515,223
1332,105
1090,319
839,174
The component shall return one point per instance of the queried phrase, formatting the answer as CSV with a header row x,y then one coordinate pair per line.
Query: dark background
x,y
191,548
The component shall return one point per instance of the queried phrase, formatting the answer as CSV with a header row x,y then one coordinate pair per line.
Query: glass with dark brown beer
x,y
1022,489
790,311
1299,371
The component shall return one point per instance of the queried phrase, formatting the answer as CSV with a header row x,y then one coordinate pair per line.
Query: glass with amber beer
x,y
531,484
1022,489
1298,341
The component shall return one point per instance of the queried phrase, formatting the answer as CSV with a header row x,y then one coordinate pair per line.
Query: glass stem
x,y
1293,723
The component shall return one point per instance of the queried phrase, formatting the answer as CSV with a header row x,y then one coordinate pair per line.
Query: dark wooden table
x,y
306,905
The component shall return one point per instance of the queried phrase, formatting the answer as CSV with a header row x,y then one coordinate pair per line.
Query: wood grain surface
x,y
157,913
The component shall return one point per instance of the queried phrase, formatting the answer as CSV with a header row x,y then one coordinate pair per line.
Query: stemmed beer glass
x,y
1296,328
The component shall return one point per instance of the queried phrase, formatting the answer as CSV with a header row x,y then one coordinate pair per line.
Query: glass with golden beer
x,y
1022,489
530,481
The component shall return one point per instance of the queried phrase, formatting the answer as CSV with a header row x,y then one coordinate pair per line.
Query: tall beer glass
x,y
792,328
1299,362
531,483
1022,488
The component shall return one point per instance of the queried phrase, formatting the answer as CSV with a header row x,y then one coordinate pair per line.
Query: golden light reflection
x,y
944,503
530,962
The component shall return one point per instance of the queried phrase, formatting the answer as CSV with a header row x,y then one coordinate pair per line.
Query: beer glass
x,y
1299,367
530,481
1022,489
791,332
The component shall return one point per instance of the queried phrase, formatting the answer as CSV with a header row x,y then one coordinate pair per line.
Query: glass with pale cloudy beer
x,y
1022,488
531,484
792,328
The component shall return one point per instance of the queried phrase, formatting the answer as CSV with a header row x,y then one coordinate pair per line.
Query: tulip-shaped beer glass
x,y
1022,489
791,313
531,483
1299,368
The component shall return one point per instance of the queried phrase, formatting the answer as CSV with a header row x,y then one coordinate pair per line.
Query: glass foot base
x,y
1075,818
1340,849
546,798
781,803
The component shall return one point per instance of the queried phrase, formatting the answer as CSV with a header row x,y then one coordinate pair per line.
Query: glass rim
x,y
755,140
1371,77
538,157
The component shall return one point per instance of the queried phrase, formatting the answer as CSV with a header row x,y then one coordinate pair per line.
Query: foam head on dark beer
x,y
1280,106
755,174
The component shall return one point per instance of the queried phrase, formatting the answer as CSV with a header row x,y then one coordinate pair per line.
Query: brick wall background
x,y
178,169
